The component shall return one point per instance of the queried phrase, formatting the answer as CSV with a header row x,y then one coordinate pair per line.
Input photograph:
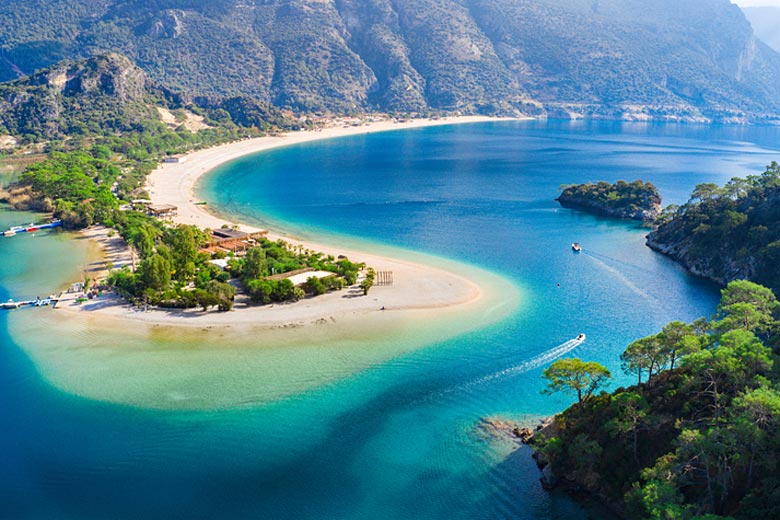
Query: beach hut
x,y
162,210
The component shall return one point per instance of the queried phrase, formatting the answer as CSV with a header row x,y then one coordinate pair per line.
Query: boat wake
x,y
619,275
537,361
526,366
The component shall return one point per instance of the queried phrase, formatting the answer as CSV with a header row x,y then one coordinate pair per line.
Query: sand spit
x,y
418,289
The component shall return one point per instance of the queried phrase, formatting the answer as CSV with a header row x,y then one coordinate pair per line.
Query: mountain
x,y
108,94
670,59
766,24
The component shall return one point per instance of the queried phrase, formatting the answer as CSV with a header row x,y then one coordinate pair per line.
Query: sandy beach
x,y
418,290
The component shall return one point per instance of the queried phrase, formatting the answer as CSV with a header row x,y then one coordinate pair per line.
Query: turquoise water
x,y
397,439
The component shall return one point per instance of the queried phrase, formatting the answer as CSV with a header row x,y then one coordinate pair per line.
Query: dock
x,y
37,302
31,228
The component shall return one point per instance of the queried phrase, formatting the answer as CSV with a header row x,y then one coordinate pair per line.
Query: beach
x,y
418,289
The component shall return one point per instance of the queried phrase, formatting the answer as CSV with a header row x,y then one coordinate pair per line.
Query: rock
x,y
523,433
548,478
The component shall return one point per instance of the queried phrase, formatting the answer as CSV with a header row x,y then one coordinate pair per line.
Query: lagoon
x,y
373,428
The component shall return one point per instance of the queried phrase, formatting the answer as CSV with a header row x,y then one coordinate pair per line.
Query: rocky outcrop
x,y
636,200
107,91
722,273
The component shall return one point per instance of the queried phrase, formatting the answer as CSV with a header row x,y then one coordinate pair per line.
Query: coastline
x,y
107,350
419,289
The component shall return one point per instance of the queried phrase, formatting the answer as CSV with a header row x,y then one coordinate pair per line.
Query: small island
x,y
635,200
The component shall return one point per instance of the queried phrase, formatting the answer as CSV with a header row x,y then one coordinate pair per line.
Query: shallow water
x,y
377,429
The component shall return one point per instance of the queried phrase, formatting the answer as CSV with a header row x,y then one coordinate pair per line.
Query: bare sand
x,y
419,290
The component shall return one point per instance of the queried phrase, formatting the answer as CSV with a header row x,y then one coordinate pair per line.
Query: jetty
x,y
31,228
37,302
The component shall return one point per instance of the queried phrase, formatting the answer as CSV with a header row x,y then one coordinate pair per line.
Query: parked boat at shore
x,y
13,231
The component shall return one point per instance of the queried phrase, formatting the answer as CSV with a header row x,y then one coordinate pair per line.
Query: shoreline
x,y
419,291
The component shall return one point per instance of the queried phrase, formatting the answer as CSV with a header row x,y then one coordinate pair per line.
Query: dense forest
x,y
696,60
635,200
727,233
698,436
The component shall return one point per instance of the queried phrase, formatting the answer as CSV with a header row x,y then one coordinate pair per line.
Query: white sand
x,y
418,290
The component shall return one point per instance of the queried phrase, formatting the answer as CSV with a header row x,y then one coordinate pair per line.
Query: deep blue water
x,y
397,440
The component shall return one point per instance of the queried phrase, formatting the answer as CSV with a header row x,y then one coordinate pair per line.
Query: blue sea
x,y
349,435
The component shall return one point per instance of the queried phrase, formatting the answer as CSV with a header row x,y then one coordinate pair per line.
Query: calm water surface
x,y
398,439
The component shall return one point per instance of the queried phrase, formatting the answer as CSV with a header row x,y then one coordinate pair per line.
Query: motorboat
x,y
576,247
580,337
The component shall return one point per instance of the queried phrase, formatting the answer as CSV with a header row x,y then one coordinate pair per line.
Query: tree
x,y
574,375
747,306
315,285
645,355
756,415
184,250
155,273
630,410
255,264
368,281
677,339
223,294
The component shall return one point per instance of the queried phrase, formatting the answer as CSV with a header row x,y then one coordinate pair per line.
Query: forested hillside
x,y
727,233
697,438
108,94
666,59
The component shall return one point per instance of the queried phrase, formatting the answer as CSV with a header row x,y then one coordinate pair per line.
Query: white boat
x,y
580,338
576,247
10,304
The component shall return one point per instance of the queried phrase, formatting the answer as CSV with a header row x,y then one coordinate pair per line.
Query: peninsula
x,y
417,288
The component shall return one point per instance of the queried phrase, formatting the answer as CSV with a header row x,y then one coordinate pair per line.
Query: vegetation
x,y
260,269
638,200
171,272
486,56
575,375
727,233
101,125
700,436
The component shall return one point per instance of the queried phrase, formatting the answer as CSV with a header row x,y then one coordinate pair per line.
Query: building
x,y
162,210
174,159
233,240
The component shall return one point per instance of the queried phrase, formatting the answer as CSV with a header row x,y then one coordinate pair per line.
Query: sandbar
x,y
419,289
